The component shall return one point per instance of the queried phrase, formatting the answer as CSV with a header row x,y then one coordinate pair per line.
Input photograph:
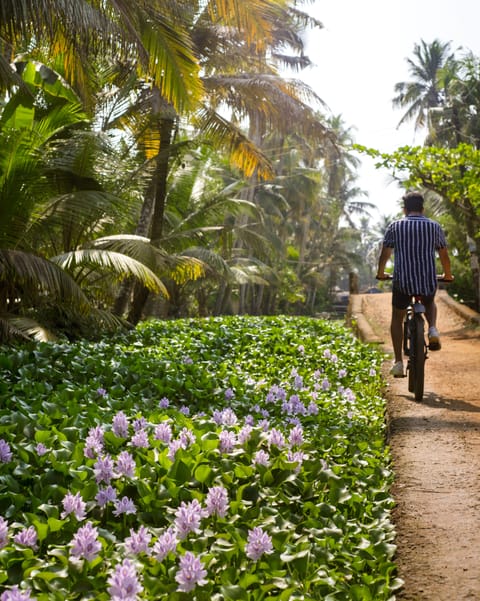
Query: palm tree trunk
x,y
158,193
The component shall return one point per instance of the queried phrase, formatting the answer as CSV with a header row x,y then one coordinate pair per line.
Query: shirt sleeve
x,y
389,237
440,240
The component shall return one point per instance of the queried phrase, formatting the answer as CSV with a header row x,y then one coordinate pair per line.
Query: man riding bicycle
x,y
414,241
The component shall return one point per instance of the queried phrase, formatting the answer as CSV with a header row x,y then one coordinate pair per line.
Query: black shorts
x,y
400,300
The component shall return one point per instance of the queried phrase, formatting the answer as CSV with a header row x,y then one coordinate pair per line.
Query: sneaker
x,y
397,370
434,339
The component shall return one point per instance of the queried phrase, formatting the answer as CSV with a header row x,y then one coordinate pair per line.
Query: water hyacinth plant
x,y
225,458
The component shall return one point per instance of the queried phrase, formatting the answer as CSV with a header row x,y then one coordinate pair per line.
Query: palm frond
x,y
35,275
15,326
210,258
114,262
244,154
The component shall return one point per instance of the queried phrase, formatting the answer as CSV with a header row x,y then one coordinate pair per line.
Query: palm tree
x,y
52,202
425,91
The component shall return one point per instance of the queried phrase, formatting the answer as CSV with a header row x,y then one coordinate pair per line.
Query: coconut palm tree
x,y
425,90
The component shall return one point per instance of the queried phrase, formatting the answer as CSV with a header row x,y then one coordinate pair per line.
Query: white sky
x,y
360,55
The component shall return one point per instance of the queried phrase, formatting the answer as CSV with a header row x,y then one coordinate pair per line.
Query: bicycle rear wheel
x,y
417,357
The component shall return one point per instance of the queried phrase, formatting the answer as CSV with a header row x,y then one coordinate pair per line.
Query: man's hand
x,y
383,276
447,277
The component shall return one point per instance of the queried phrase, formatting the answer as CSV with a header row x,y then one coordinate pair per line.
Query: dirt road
x,y
435,447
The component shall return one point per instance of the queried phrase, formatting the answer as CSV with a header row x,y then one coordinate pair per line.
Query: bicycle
x,y
415,347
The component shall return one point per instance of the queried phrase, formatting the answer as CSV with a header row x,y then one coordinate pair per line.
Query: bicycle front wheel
x,y
417,359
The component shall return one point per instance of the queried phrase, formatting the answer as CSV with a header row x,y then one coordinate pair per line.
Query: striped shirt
x,y
414,240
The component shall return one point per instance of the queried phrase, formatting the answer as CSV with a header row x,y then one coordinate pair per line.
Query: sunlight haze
x,y
360,55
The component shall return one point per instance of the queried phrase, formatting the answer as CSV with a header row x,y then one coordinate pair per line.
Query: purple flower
x,y
101,392
73,504
140,424
15,594
166,543
276,438
245,434
325,384
186,438
5,452
188,517
3,532
249,420
225,417
140,439
191,573
298,382
103,469
296,457
295,438
187,360
27,537
106,495
264,424
85,543
41,449
173,448
185,410
217,501
124,583
94,442
301,348
327,353
125,465
372,372
164,403
261,458
138,542
229,394
120,425
227,441
163,432
258,543
124,505
312,408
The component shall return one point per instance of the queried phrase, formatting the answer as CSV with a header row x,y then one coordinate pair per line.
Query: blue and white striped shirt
x,y
414,240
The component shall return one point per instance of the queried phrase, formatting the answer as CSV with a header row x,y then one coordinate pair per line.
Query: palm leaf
x,y
113,262
33,275
180,268
15,326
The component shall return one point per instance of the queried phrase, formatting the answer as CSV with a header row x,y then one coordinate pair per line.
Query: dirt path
x,y
436,453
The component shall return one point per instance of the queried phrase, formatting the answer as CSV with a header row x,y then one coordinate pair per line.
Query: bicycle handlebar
x,y
440,278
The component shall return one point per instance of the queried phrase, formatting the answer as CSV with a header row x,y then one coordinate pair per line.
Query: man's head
x,y
413,202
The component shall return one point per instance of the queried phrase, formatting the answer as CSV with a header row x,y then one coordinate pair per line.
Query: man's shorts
x,y
400,300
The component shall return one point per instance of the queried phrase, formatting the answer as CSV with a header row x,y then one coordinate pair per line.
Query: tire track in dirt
x,y
435,448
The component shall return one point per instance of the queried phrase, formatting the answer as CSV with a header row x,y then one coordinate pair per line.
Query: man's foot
x,y
434,339
397,370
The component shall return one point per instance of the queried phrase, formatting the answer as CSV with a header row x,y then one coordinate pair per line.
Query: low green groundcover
x,y
217,459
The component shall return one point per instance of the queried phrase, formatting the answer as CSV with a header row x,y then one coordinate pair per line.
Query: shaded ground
x,y
436,453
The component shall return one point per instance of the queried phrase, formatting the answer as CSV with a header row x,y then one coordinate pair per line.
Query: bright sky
x,y
361,54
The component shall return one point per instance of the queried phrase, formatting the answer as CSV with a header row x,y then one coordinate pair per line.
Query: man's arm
x,y
445,261
382,261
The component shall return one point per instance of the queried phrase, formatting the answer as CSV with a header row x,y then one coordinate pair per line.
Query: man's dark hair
x,y
413,202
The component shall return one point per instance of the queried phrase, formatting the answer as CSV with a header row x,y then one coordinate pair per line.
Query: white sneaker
x,y
434,339
397,370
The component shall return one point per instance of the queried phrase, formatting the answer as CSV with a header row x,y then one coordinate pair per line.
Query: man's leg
x,y
396,331
431,314
433,335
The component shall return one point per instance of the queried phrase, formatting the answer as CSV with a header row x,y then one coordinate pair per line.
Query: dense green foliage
x,y
285,414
